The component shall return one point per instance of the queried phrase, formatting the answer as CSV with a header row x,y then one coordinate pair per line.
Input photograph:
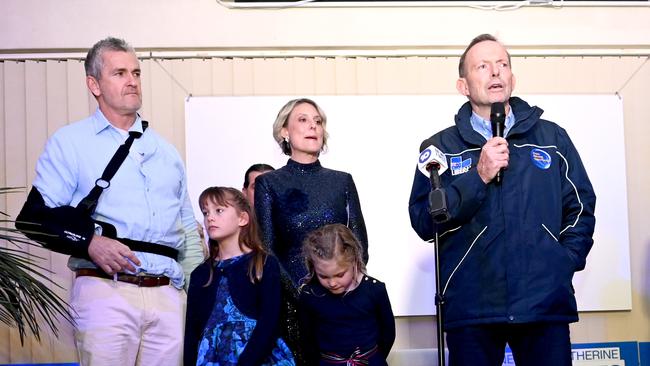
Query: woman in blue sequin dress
x,y
234,298
303,196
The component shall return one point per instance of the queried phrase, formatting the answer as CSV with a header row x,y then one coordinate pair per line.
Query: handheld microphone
x,y
498,121
432,163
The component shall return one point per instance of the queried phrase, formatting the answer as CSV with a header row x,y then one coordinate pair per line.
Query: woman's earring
x,y
286,147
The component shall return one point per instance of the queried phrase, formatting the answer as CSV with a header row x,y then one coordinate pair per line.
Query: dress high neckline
x,y
303,168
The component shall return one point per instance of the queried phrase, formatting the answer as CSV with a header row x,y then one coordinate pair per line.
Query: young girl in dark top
x,y
345,314
233,304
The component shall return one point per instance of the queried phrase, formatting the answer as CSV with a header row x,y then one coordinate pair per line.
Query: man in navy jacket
x,y
509,251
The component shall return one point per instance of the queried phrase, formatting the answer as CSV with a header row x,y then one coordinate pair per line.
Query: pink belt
x,y
355,359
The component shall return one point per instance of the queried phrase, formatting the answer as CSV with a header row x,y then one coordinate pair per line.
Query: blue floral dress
x,y
228,331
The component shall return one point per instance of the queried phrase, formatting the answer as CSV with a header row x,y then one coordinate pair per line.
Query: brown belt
x,y
141,281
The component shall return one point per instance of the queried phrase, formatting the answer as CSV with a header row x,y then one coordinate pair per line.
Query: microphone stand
x,y
439,214
440,334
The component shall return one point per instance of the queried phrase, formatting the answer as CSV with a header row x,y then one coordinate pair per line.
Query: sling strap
x,y
109,230
89,203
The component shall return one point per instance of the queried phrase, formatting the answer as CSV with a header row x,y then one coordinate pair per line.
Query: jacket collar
x,y
525,115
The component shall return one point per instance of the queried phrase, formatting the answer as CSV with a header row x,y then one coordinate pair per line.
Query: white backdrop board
x,y
376,139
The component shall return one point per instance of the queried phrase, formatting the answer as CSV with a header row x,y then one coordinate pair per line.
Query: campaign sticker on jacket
x,y
540,158
459,166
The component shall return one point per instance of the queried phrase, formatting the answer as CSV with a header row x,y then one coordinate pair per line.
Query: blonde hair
x,y
334,241
282,121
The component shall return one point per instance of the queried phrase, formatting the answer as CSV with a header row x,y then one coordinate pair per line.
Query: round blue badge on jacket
x,y
540,158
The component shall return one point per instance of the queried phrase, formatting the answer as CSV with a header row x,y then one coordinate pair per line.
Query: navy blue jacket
x,y
509,251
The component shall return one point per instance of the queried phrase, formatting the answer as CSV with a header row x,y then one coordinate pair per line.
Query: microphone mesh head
x,y
498,112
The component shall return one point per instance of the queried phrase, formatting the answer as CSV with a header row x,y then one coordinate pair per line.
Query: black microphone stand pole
x,y
439,214
439,302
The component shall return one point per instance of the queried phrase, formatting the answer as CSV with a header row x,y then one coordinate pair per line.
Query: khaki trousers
x,y
119,323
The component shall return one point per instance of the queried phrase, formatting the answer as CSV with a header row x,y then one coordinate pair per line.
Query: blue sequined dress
x,y
298,198
228,331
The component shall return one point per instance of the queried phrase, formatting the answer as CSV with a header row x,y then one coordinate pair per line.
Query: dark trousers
x,y
534,344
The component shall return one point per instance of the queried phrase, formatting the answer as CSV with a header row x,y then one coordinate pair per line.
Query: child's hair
x,y
329,242
249,236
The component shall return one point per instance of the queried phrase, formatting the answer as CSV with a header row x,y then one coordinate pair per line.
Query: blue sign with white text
x,y
597,354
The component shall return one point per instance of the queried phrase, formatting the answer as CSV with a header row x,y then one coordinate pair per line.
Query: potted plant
x,y
26,301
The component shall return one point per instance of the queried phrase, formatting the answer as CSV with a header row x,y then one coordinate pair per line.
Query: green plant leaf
x,y
26,301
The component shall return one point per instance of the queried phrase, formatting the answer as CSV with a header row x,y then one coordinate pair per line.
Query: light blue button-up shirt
x,y
485,127
147,199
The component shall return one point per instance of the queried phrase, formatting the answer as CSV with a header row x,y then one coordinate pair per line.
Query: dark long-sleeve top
x,y
260,301
361,318
298,198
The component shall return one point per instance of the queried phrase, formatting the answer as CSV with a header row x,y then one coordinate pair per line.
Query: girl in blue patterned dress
x,y
234,298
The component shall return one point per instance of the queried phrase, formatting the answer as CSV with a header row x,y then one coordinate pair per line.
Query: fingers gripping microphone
x,y
432,163
498,121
